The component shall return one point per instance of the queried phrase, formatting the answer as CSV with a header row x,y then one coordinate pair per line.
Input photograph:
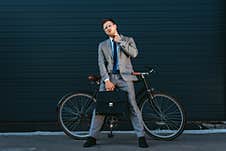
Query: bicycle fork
x,y
150,96
153,104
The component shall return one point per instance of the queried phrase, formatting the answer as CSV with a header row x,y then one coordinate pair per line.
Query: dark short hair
x,y
107,19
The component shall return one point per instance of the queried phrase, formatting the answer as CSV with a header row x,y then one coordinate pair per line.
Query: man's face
x,y
110,28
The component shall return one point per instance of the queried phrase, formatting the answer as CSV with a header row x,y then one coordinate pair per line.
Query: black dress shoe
x,y
91,141
142,142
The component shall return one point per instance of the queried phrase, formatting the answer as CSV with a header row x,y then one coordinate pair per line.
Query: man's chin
x,y
111,35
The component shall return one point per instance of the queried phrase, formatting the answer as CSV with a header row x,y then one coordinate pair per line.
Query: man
x,y
115,69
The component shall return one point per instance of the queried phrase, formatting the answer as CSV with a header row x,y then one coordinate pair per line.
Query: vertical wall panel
x,y
47,49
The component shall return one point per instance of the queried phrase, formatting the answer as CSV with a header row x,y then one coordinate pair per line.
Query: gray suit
x,y
124,80
105,58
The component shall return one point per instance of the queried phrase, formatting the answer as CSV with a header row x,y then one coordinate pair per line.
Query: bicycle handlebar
x,y
142,73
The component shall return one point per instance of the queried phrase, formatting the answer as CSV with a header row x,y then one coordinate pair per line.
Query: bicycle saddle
x,y
94,78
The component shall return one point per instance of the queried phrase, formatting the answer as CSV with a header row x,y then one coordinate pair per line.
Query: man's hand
x,y
109,86
117,38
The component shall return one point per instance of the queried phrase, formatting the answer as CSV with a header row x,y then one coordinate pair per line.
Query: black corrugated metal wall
x,y
48,47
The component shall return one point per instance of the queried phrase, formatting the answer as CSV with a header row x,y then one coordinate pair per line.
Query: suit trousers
x,y
135,114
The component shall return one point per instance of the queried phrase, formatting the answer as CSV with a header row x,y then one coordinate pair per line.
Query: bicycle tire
x,y
75,113
166,120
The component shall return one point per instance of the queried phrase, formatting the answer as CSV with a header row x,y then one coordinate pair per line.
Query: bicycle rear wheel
x,y
75,113
163,116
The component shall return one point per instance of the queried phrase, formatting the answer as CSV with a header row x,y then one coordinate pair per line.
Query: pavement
x,y
120,142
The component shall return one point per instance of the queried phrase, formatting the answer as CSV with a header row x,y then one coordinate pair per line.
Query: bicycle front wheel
x,y
163,117
75,113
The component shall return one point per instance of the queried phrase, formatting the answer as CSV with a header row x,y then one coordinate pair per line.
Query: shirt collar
x,y
111,39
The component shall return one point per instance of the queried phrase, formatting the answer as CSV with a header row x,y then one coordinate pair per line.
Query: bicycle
x,y
163,115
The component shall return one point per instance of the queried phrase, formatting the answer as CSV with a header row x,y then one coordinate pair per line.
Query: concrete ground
x,y
121,142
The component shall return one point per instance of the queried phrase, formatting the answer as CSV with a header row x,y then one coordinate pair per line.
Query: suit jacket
x,y
127,51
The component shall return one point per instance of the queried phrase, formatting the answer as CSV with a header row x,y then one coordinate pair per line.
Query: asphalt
x,y
120,142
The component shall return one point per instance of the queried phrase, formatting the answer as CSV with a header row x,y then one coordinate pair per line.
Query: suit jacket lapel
x,y
109,48
120,52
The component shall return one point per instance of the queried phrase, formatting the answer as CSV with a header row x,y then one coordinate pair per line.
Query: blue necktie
x,y
115,57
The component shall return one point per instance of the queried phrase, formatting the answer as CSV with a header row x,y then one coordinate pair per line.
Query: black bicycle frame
x,y
147,92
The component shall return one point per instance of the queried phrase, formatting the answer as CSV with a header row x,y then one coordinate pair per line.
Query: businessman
x,y
114,60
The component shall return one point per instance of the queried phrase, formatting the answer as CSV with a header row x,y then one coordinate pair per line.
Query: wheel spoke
x,y
150,115
169,107
173,113
173,124
73,114
163,118
70,111
72,105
